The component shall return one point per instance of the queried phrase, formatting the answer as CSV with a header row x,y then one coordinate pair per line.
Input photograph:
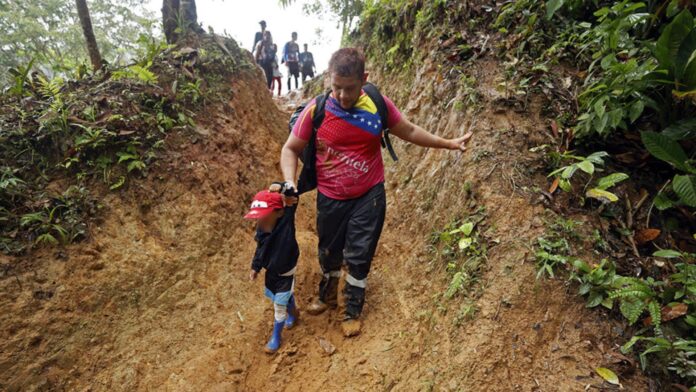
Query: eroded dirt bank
x,y
159,299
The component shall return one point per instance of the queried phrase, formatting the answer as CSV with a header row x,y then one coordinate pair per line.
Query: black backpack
x,y
308,175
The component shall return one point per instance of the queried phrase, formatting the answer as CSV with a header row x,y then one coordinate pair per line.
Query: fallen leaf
x,y
554,185
644,236
608,375
672,312
669,313
602,195
554,128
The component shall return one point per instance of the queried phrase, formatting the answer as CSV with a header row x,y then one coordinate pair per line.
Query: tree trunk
x,y
86,22
170,20
178,18
190,16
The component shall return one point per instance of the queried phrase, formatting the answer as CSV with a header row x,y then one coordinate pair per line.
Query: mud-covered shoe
x,y
274,343
293,314
318,307
351,327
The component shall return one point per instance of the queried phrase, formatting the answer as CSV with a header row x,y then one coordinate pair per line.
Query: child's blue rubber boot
x,y
293,313
274,343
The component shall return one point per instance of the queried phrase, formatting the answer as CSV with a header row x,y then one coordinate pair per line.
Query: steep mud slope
x,y
159,299
518,333
160,287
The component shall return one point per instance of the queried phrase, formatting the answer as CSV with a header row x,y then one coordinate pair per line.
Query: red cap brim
x,y
258,213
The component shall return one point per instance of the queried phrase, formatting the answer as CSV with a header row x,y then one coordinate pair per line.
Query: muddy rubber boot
x,y
274,343
351,327
355,300
293,314
328,296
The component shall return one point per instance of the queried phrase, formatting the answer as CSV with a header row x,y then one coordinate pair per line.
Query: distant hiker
x,y
276,252
291,58
343,132
265,54
277,75
259,34
307,64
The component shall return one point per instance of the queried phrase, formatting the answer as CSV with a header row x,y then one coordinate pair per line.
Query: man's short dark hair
x,y
347,62
262,23
294,33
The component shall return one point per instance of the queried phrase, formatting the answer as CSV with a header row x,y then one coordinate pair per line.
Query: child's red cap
x,y
264,203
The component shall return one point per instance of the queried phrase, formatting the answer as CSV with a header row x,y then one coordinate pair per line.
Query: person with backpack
x,y
291,58
307,64
338,137
259,34
265,54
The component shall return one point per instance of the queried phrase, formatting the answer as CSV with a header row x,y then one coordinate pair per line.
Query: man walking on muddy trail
x,y
351,201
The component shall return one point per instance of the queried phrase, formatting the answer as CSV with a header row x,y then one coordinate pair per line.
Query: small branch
x,y
642,199
647,219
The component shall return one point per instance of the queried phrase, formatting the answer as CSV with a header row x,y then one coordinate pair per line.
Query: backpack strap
x,y
376,96
319,110
308,175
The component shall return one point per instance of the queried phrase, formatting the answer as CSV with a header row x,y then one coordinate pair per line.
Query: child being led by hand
x,y
277,252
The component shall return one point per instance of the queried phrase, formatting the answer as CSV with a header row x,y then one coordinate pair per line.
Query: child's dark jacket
x,y
277,251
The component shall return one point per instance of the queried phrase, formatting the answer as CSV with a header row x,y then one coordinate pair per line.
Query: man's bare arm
x,y
412,133
288,157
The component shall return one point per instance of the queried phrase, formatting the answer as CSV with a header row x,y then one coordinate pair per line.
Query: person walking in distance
x,y
259,34
307,64
265,55
277,75
291,58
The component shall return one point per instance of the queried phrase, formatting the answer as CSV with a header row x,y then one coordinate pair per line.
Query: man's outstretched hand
x,y
460,142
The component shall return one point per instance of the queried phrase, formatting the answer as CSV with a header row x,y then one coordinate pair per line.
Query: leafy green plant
x,y
20,76
595,281
131,158
44,224
191,90
683,186
675,52
462,248
91,138
137,72
674,349
637,295
588,165
10,184
616,88
550,254
463,242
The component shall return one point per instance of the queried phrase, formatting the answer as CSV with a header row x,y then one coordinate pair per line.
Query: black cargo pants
x,y
349,231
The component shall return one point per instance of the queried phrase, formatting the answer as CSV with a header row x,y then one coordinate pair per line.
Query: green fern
x,y
455,285
656,315
632,309
629,293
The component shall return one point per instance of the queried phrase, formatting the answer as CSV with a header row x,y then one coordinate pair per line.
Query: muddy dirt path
x,y
160,298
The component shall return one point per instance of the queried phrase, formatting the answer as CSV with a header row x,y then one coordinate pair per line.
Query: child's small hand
x,y
290,200
253,274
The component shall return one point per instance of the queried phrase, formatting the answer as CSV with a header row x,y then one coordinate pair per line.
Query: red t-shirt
x,y
349,158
